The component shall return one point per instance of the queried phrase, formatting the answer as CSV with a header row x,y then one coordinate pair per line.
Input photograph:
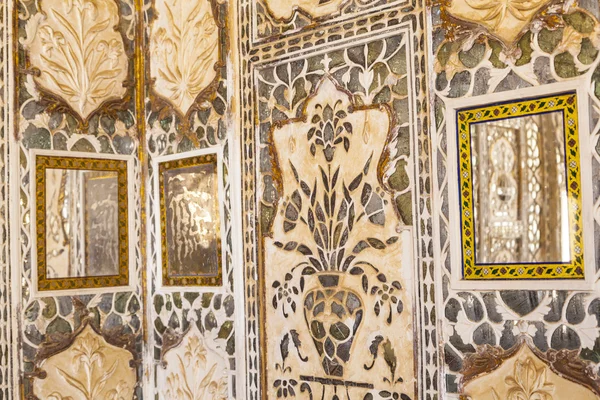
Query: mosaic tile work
x,y
95,112
559,44
380,66
188,100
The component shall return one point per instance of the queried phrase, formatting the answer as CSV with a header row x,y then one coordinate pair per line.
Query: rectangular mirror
x,y
82,221
519,190
190,221
520,197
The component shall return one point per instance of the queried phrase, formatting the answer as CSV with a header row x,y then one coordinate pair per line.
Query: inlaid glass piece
x,y
520,195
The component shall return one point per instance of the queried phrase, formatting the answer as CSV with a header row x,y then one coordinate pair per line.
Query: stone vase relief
x,y
338,263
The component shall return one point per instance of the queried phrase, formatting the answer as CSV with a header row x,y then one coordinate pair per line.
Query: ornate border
x,y
187,281
44,162
565,363
567,103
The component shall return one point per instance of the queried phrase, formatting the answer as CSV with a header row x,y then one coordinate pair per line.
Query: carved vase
x,y
333,315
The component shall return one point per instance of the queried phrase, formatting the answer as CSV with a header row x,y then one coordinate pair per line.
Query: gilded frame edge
x,y
567,103
124,282
195,283
584,283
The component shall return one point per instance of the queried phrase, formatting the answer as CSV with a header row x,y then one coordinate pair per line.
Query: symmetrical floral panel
x,y
486,47
75,65
337,245
187,109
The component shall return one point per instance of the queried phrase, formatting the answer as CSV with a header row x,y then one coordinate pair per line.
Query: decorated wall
x,y
328,199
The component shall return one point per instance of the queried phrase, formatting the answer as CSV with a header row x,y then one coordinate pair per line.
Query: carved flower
x,y
387,297
50,39
329,130
185,48
195,352
529,382
121,392
89,351
285,295
111,50
88,6
218,390
80,53
285,387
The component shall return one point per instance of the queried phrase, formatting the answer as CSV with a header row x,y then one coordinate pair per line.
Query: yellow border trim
x,y
186,281
91,164
567,103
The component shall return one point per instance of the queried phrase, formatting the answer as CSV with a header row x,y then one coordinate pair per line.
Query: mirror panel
x,y
190,221
82,234
520,190
82,216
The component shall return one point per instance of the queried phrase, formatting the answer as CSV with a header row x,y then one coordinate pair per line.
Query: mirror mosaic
x,y
288,221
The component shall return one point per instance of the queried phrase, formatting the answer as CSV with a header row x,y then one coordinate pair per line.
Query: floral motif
x,y
329,130
285,387
195,372
387,297
529,382
79,52
286,295
90,369
504,19
184,50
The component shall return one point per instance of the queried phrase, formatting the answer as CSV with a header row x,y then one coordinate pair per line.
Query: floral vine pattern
x,y
80,56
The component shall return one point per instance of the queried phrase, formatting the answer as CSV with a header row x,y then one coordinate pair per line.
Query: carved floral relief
x,y
79,52
522,373
338,266
504,19
184,50
194,369
90,369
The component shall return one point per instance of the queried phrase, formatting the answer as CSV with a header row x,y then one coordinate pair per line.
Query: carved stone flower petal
x,y
504,19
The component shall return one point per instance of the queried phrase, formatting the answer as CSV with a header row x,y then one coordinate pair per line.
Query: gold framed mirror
x,y
190,212
82,221
518,190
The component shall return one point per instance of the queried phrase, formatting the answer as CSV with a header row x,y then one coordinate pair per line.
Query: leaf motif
x,y
72,58
389,355
283,347
184,44
74,382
